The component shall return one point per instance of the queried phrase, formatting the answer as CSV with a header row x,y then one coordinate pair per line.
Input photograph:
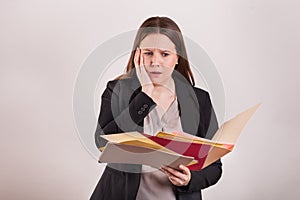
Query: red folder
x,y
173,149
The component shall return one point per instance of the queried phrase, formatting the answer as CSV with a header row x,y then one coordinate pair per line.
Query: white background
x,y
254,44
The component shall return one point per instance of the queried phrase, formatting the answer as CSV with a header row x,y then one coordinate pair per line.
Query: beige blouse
x,y
154,184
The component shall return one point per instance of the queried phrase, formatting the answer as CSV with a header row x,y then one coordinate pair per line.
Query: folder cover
x,y
173,149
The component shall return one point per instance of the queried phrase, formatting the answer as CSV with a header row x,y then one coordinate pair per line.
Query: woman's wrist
x,y
148,89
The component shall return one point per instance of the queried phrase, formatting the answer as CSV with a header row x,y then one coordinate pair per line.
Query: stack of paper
x,y
173,149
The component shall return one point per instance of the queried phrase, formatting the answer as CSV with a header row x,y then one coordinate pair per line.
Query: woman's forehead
x,y
157,41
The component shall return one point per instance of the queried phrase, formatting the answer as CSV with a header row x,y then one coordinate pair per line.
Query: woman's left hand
x,y
176,177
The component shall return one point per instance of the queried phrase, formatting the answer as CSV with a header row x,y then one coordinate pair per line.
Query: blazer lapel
x,y
188,104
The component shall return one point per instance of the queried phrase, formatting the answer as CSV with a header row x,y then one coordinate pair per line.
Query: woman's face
x,y
160,58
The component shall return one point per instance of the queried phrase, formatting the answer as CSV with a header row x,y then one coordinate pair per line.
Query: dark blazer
x,y
124,107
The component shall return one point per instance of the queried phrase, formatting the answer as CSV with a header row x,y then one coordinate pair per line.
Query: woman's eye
x,y
148,53
165,54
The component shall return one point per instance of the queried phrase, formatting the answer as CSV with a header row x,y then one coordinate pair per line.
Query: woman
x,y
156,94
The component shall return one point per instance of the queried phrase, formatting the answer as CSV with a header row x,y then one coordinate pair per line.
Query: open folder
x,y
173,149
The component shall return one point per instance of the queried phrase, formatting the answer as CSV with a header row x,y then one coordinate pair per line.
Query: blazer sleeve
x,y
211,174
116,119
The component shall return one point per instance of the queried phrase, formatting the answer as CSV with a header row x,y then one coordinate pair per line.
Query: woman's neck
x,y
169,85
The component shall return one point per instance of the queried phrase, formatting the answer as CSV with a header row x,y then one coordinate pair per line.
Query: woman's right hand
x,y
145,81
162,95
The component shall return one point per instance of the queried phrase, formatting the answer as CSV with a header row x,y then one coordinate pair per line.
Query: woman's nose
x,y
154,60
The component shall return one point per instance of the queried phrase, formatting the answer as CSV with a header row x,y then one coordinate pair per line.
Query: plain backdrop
x,y
254,44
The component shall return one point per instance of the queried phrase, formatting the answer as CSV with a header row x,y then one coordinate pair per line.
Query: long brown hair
x,y
169,28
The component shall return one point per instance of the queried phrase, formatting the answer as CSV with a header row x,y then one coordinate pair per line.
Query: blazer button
x,y
142,109
140,112
145,105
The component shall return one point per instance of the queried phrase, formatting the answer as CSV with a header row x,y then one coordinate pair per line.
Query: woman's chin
x,y
157,81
